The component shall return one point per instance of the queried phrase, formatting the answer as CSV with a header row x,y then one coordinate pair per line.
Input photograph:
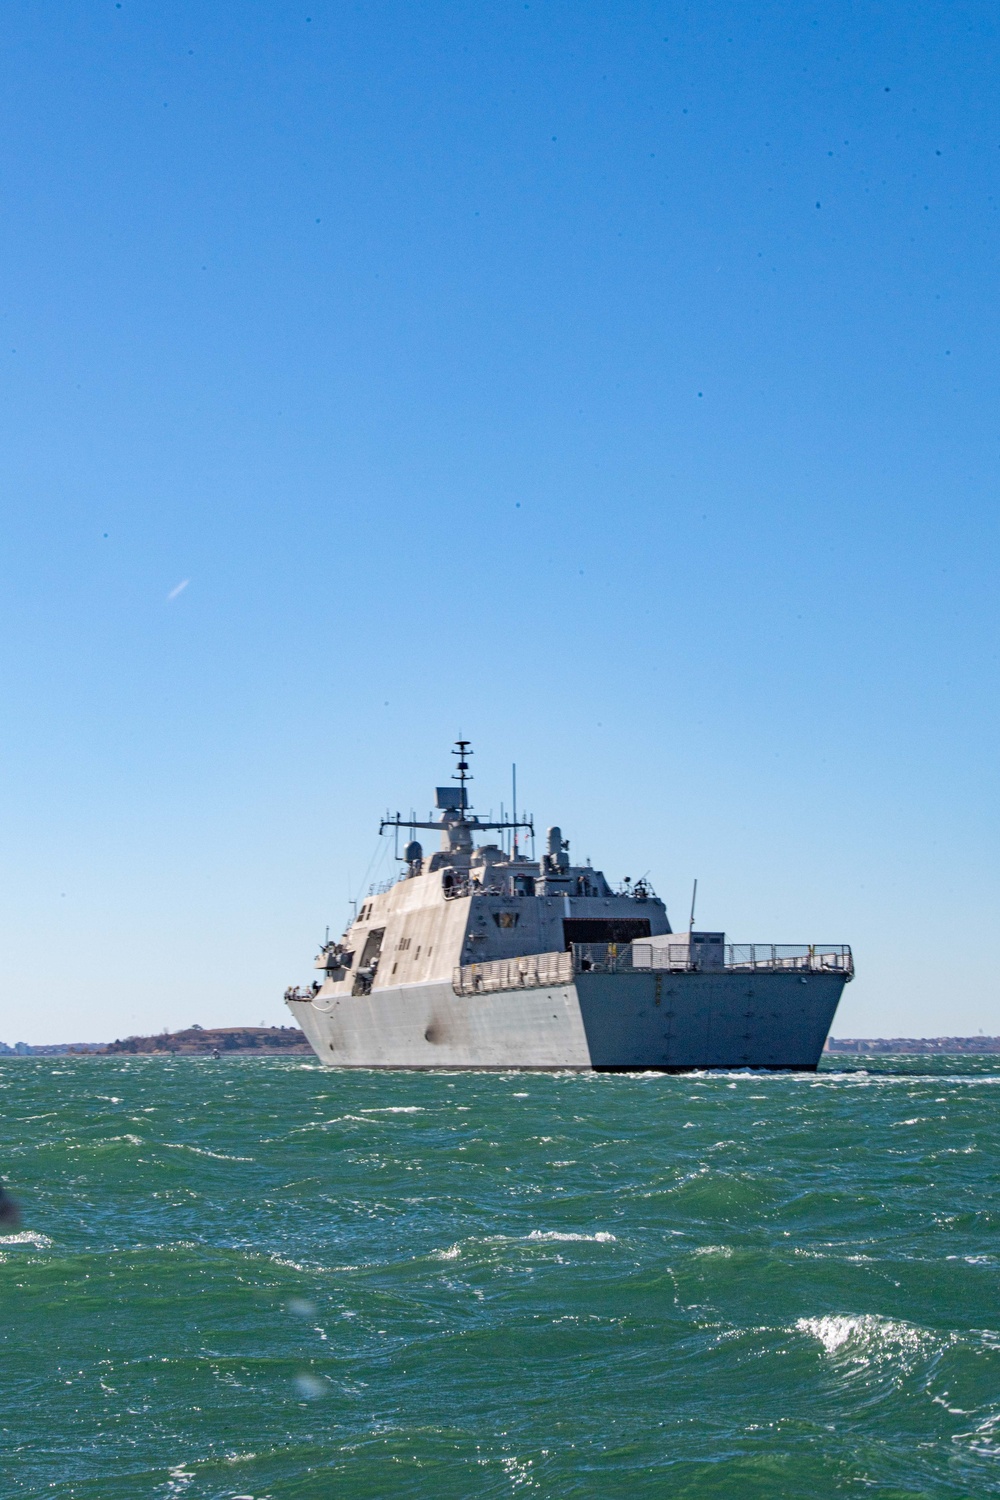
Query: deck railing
x,y
603,958
814,958
534,970
529,972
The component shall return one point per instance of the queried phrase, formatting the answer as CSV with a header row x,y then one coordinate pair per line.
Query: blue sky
x,y
614,385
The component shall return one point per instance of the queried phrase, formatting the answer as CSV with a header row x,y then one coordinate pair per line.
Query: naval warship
x,y
479,956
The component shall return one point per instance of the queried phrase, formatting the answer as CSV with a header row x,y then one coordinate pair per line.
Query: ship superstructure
x,y
478,956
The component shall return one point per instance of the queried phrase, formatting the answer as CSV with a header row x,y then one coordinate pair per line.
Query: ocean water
x,y
253,1278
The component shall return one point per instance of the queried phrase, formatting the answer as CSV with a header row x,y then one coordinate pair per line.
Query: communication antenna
x,y
513,777
694,897
463,752
447,801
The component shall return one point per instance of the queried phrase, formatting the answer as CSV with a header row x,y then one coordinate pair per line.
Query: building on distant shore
x,y
872,1046
47,1049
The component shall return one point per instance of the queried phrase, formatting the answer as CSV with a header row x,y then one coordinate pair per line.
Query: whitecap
x,y
304,1269
108,1140
197,1150
864,1338
395,1109
26,1237
602,1237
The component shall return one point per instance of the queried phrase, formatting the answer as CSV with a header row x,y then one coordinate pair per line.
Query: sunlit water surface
x,y
253,1278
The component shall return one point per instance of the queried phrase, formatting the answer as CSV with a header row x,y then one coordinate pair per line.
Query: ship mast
x,y
463,752
454,818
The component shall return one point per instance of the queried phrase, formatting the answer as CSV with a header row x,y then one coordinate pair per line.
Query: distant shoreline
x,y
288,1041
194,1041
915,1045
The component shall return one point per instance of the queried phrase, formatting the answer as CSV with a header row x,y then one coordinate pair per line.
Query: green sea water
x,y
253,1278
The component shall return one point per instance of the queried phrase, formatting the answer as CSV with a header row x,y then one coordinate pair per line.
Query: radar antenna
x,y
458,817
463,752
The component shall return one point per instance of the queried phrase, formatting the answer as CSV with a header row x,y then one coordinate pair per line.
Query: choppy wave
x,y
26,1237
309,1284
601,1237
203,1151
865,1338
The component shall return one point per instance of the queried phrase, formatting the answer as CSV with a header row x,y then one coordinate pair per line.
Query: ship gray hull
x,y
623,1022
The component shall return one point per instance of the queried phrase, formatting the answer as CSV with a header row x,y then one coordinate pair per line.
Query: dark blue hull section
x,y
681,1021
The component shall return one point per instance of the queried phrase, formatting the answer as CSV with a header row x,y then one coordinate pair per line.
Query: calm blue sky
x,y
616,385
